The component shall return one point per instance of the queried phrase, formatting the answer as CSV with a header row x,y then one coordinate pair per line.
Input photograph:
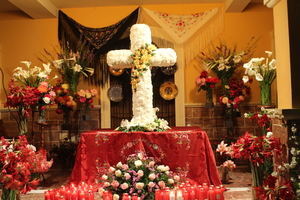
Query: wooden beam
x,y
236,5
36,8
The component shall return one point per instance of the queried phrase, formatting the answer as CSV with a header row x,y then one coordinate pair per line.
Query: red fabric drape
x,y
186,150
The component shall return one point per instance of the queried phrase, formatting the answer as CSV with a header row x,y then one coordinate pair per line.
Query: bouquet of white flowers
x,y
140,176
264,70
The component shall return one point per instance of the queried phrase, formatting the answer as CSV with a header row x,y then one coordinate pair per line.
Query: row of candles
x,y
82,191
183,192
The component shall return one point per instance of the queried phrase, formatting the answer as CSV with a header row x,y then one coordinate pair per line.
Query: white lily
x,y
269,53
27,63
245,79
47,68
259,77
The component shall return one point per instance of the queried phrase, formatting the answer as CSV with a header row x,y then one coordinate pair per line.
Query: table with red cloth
x,y
186,150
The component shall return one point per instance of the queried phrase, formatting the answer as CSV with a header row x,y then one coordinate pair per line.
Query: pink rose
x,y
151,164
125,167
152,176
161,184
151,184
140,173
139,185
127,176
124,186
176,178
115,183
106,184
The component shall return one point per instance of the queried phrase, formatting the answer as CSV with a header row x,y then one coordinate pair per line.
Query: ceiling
x,y
48,8
5,5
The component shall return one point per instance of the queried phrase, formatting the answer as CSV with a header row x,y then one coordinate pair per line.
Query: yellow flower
x,y
88,95
65,86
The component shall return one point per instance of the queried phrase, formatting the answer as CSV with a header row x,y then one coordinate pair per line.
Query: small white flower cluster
x,y
261,68
157,125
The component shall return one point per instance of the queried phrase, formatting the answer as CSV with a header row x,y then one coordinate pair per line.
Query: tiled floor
x,y
239,186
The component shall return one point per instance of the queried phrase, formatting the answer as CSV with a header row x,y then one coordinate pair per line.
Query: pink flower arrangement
x,y
86,96
141,176
19,162
229,164
206,82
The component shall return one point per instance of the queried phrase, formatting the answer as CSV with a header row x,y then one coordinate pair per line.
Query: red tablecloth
x,y
185,150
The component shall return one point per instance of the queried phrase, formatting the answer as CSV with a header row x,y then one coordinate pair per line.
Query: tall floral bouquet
x,y
264,70
22,99
224,61
20,165
207,83
31,76
71,66
140,176
29,90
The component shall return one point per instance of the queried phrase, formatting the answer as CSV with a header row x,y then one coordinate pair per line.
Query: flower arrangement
x,y
140,175
31,76
65,101
207,83
20,165
23,99
158,125
236,91
71,66
258,150
272,190
224,60
86,96
264,70
141,62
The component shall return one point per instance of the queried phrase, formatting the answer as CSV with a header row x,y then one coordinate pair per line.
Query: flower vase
x,y
225,175
209,99
257,178
8,194
23,126
66,120
42,117
265,93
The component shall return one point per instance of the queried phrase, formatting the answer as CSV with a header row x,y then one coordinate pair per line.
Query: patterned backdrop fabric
x,y
93,43
191,33
186,150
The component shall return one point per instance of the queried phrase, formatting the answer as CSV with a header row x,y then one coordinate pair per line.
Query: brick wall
x,y
212,120
52,132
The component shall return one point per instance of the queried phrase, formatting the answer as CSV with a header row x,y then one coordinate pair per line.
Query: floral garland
x,y
141,62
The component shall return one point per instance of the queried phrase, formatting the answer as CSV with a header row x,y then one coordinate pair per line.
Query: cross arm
x,y
119,59
164,57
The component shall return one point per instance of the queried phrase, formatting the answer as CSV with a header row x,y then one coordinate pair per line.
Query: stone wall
x,y
53,132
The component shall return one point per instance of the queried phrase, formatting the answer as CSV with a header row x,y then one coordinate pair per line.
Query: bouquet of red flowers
x,y
271,190
20,165
235,94
205,82
256,149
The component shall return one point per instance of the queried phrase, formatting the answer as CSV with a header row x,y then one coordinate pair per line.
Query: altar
x,y
186,150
